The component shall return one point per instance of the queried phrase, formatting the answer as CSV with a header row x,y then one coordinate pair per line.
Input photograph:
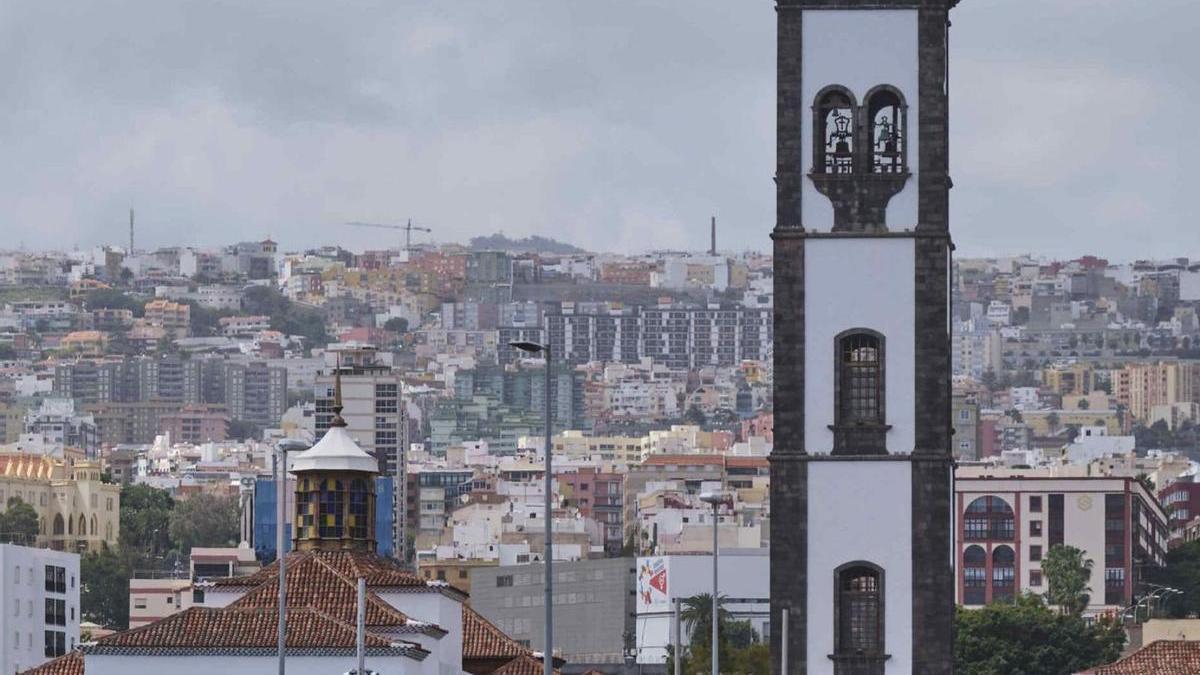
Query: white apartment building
x,y
39,605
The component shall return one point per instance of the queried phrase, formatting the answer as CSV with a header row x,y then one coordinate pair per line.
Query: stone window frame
x,y
844,430
858,663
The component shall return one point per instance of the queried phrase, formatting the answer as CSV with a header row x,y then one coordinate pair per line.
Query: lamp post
x,y
548,554
282,448
715,499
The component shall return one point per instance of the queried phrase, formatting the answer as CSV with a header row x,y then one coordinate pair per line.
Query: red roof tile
x,y
483,640
67,664
524,665
226,627
313,583
1163,657
376,569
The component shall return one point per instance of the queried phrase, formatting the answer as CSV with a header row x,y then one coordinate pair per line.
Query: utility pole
x,y
131,231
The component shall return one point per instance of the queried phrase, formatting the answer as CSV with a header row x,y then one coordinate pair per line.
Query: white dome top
x,y
336,451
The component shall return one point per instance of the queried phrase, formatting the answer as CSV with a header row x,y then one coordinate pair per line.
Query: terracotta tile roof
x,y
67,664
483,640
524,665
226,627
1163,657
376,569
314,583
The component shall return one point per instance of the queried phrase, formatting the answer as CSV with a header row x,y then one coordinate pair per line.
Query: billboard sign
x,y
652,589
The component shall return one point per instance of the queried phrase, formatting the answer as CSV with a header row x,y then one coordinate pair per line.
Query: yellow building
x,y
76,510
1158,384
577,445
1070,380
173,317
84,342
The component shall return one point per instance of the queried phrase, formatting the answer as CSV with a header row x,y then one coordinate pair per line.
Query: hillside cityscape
x,y
143,393
801,337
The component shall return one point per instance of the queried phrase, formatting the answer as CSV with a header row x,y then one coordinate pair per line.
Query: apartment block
x,y
42,589
680,337
1008,520
1147,385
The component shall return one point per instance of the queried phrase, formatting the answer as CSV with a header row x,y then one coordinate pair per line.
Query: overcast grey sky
x,y
616,126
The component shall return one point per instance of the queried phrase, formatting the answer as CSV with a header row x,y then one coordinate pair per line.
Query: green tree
x,y
695,415
989,380
696,616
19,522
286,316
1181,572
1147,482
1072,432
108,298
741,652
205,520
396,324
145,522
1027,637
243,430
1053,421
1084,404
1067,574
104,588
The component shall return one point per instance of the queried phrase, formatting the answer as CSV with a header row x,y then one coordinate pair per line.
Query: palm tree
x,y
1067,572
696,616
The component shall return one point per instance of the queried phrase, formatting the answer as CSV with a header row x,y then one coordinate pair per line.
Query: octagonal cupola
x,y
335,490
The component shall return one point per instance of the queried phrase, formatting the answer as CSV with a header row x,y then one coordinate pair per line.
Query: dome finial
x,y
337,420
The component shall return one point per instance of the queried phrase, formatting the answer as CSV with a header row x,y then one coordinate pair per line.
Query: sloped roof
x,y
244,627
525,665
67,664
483,640
336,451
377,570
313,582
1162,657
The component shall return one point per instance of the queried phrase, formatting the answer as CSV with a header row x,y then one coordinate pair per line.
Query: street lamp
x,y
716,499
1165,591
548,552
282,448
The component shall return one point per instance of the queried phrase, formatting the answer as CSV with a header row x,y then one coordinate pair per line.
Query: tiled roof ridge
x,y
384,572
1147,655
70,663
374,602
130,637
471,639
522,665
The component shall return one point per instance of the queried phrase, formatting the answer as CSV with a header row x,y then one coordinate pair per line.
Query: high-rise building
x,y
373,407
678,336
862,462
42,588
255,392
1146,385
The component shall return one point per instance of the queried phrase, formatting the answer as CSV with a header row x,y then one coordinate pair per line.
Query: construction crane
x,y
408,230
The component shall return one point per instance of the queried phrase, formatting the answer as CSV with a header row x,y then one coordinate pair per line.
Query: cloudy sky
x,y
616,126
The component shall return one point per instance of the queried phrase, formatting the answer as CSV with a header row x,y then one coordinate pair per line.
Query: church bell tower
x,y
861,472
